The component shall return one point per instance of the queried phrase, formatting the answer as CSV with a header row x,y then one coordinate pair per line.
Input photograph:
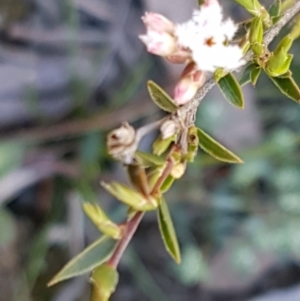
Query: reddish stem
x,y
132,224
124,241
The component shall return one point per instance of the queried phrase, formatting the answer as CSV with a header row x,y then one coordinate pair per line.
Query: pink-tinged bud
x,y
210,3
191,80
159,43
181,56
157,22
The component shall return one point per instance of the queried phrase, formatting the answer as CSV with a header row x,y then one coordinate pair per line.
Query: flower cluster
x,y
203,42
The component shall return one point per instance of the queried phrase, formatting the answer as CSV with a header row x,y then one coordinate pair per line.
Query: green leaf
x,y
231,90
288,87
94,255
101,220
130,197
167,231
255,75
215,149
148,160
104,281
245,78
161,98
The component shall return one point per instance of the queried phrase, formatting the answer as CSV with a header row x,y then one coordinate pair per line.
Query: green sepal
x,y
101,220
254,75
256,31
286,75
288,87
130,197
161,98
231,90
104,280
245,78
278,64
167,184
167,231
160,145
284,45
147,159
275,9
258,48
295,32
92,256
252,6
215,149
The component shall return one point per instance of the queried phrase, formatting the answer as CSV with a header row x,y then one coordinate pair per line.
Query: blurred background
x,y
70,71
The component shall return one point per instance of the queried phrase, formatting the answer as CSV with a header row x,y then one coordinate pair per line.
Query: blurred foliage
x,y
254,206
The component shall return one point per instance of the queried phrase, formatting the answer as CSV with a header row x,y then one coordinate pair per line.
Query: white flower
x,y
207,36
219,56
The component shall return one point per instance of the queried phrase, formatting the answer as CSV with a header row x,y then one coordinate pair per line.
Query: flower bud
x,y
181,56
159,43
168,129
157,22
178,170
210,2
191,80
120,142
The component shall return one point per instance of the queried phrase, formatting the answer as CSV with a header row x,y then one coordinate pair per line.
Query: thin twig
x,y
123,243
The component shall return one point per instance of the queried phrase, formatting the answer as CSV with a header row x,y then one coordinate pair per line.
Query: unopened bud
x,y
120,142
157,22
178,170
168,129
159,43
191,80
210,2
181,56
256,31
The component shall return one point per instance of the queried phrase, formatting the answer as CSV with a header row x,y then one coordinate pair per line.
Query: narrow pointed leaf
x,y
101,220
94,255
215,149
161,98
148,160
255,75
130,197
167,231
104,281
231,90
245,78
288,87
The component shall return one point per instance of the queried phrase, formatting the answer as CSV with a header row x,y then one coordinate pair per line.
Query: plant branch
x,y
130,229
132,224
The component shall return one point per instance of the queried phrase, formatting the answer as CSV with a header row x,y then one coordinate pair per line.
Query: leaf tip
x,y
52,282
